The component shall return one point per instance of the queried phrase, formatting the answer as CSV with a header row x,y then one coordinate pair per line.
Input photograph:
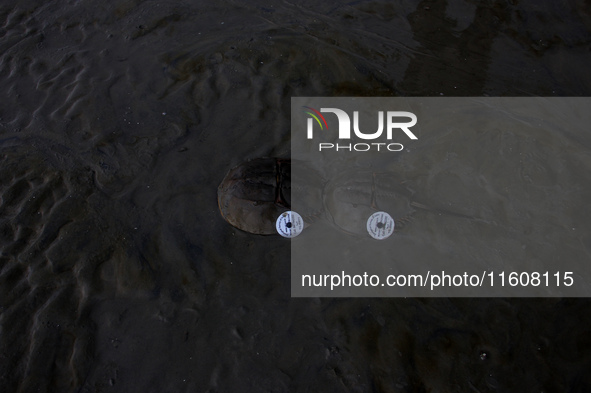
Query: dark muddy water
x,y
119,119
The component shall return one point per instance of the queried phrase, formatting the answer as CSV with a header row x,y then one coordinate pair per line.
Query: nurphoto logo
x,y
395,121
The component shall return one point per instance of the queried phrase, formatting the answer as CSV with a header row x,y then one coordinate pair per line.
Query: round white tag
x,y
380,225
289,224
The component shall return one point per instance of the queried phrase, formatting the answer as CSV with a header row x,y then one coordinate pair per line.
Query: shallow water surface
x,y
118,121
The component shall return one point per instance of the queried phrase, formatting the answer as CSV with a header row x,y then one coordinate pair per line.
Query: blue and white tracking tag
x,y
289,224
380,225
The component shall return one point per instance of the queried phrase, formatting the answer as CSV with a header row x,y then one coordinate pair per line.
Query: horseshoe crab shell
x,y
255,193
352,198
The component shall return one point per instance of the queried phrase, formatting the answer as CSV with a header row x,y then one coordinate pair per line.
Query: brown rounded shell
x,y
255,193
352,198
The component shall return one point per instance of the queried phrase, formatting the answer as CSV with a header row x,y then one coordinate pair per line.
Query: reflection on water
x,y
117,123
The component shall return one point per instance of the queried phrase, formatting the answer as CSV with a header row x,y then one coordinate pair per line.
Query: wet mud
x,y
119,120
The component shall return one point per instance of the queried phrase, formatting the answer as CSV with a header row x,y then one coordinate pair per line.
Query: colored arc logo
x,y
316,117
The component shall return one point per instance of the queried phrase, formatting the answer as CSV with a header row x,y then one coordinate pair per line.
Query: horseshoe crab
x,y
255,193
352,198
